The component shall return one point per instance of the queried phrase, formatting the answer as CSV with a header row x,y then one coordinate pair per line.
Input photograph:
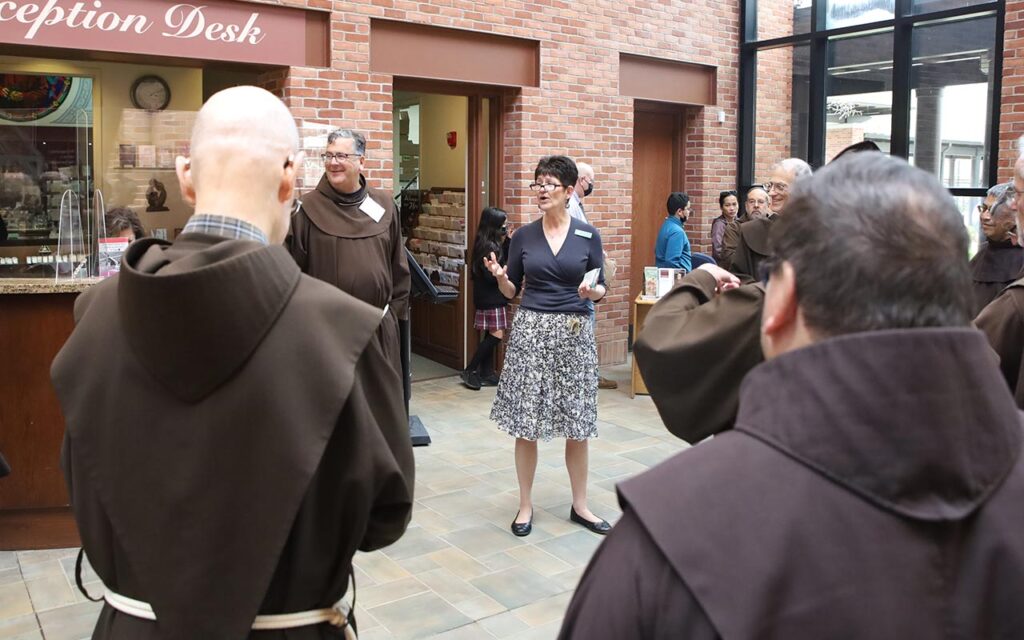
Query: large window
x,y
920,78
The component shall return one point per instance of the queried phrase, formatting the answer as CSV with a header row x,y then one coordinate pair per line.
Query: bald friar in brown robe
x,y
333,239
234,430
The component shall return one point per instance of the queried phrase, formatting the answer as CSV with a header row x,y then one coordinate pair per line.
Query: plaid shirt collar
x,y
224,226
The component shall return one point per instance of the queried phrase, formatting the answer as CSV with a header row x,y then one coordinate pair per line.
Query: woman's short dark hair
x,y
676,201
561,167
121,219
725,194
875,244
490,235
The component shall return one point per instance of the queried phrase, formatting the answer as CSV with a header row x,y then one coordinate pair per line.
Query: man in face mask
x,y
584,187
672,248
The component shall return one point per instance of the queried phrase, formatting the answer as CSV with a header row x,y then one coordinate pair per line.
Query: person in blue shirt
x,y
673,246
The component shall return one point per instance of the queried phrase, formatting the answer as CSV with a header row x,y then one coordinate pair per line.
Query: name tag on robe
x,y
584,234
372,209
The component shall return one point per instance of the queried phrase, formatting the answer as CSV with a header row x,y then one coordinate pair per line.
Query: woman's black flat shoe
x,y
522,529
600,527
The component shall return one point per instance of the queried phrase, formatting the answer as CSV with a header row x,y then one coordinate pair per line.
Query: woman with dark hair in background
x,y
730,206
491,306
122,222
548,387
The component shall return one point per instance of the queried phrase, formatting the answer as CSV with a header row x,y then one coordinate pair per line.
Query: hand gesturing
x,y
492,265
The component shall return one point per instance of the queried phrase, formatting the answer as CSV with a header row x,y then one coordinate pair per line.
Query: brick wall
x,y
1011,119
576,110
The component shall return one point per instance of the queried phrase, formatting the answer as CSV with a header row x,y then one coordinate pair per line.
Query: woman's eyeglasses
x,y
546,187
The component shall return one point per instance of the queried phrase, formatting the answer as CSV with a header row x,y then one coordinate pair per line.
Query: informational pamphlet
x,y
590,277
650,283
110,252
668,278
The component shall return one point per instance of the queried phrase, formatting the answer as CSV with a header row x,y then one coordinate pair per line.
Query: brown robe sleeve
x,y
1002,322
730,239
400,280
742,262
297,240
630,590
377,400
694,350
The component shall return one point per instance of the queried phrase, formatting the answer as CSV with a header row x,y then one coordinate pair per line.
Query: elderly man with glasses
x,y
350,236
748,242
999,259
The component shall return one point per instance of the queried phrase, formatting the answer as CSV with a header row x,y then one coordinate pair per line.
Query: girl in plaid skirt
x,y
491,306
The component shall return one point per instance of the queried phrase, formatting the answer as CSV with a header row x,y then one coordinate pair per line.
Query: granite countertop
x,y
13,286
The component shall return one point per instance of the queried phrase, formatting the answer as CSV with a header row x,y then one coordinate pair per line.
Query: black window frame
x,y
902,27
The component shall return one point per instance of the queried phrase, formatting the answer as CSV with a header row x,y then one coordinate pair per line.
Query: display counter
x,y
36,318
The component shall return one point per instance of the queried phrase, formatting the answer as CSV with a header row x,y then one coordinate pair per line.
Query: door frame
x,y
477,165
679,113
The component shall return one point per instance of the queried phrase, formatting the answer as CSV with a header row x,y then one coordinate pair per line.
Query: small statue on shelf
x,y
156,196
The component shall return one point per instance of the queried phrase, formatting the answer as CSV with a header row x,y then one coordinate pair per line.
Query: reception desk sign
x,y
220,30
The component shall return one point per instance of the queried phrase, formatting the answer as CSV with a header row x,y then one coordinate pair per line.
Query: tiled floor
x,y
458,573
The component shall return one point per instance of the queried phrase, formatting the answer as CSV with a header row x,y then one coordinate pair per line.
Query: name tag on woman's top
x,y
584,234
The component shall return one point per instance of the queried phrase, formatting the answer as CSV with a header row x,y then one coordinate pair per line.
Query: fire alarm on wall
x,y
452,139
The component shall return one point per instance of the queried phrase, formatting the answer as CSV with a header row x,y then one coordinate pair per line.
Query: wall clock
x,y
151,93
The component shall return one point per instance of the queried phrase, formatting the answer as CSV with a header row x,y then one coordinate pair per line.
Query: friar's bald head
x,y
244,152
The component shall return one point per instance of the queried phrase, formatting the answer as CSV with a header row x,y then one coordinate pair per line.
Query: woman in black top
x,y
491,307
548,387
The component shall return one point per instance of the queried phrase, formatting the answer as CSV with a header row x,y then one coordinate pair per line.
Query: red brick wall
x,y
576,110
1011,118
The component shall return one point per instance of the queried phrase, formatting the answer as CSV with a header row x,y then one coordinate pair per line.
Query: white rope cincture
x,y
336,616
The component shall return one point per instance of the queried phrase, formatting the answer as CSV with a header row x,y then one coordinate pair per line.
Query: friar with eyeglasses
x,y
746,244
234,432
350,235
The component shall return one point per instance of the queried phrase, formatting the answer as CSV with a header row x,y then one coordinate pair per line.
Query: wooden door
x,y
656,173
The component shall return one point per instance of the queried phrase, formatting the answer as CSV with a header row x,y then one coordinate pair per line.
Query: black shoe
x,y
522,529
600,527
489,380
471,379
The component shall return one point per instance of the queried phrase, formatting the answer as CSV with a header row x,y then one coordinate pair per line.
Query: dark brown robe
x,y
694,350
1002,322
332,240
993,268
746,246
234,434
872,488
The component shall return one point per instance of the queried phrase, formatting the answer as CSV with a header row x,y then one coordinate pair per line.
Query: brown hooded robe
x,y
993,268
234,435
872,488
332,240
748,242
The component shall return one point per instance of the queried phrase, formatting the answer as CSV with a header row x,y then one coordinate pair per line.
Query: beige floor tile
x,y
70,623
573,548
449,586
544,632
456,503
419,616
390,592
534,558
8,560
380,568
14,600
50,592
483,540
10,576
503,625
44,569
537,614
459,563
516,586
469,632
480,607
415,542
20,627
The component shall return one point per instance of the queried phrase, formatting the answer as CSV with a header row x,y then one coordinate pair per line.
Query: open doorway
x,y
444,145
